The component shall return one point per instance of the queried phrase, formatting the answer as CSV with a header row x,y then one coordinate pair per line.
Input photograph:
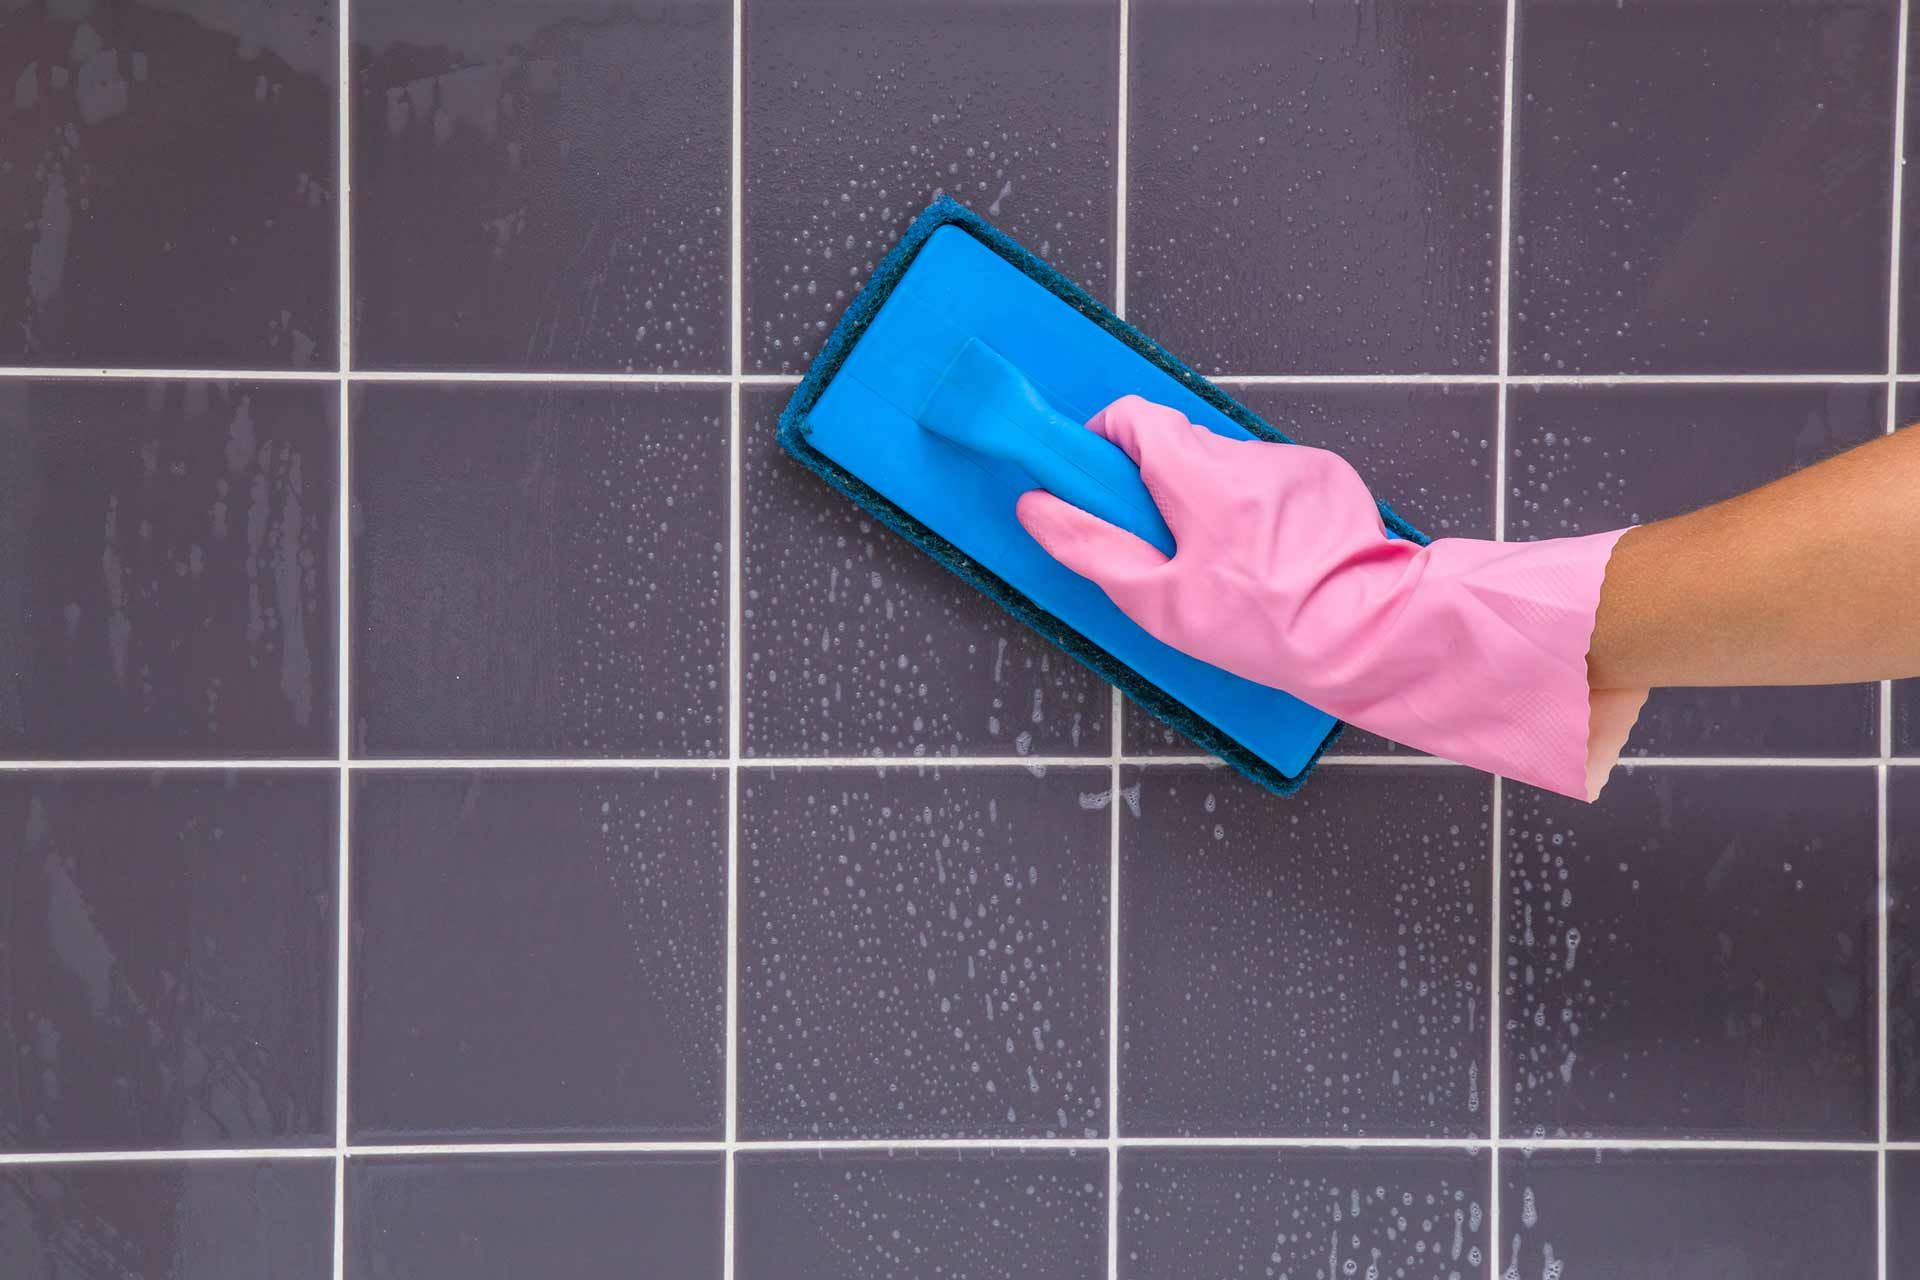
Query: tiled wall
x,y
440,826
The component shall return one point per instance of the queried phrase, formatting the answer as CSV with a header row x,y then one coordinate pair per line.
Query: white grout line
x,y
343,647
1028,763
586,379
1883,902
1501,399
1116,704
179,375
736,319
791,379
830,1146
18,1159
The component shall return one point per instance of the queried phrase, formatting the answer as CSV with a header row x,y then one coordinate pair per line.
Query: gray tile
x,y
1903,953
169,959
1011,1215
493,1217
1693,956
1316,188
1909,230
1312,966
167,180
1329,1213
1903,1213
1686,1215
1586,459
1906,693
1702,191
168,569
1428,450
539,956
169,1220
857,112
923,953
541,186
539,570
854,642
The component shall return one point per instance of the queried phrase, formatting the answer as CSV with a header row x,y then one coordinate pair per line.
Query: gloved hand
x,y
1471,650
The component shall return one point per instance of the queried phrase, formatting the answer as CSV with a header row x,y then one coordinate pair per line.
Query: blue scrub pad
x,y
958,379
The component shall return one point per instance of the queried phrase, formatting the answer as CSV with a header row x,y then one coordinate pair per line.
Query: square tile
x,y
170,1220
539,570
1694,956
1427,449
923,953
1909,230
1903,953
541,187
539,956
1585,459
858,112
1017,1215
1312,966
167,181
1903,1213
168,953
855,642
1702,190
492,1217
1245,1212
1685,1215
168,554
1316,188
1906,693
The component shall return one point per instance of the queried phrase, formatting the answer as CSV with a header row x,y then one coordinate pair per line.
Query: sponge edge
x,y
794,429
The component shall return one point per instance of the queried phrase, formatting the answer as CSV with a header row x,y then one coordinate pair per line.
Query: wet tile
x,y
167,552
541,187
539,570
1903,1213
923,953
1428,450
858,112
1316,188
167,180
1681,1215
1021,1215
539,956
1672,173
1693,956
167,1220
1903,953
1586,459
857,643
1909,230
490,1217
1313,966
169,959
1228,1212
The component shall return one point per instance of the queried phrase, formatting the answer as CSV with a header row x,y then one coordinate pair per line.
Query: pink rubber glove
x,y
1471,650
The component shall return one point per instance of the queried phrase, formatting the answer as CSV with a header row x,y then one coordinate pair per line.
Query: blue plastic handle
x,y
982,402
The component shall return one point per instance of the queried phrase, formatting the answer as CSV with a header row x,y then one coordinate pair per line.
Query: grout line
x,y
1883,904
1116,704
1029,763
192,375
358,1151
584,379
343,210
736,360
591,377
1496,923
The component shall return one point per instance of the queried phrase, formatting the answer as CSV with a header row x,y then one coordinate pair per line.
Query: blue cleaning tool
x,y
957,380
